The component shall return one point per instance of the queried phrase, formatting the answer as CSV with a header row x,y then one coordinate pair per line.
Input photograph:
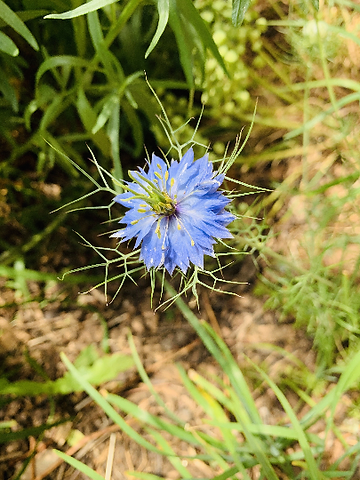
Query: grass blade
x,y
82,10
10,17
239,8
163,9
79,466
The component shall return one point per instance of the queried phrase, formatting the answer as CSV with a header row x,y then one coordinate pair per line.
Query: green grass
x,y
300,66
289,448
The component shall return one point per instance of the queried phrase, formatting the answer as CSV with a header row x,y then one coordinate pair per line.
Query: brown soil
x,y
161,339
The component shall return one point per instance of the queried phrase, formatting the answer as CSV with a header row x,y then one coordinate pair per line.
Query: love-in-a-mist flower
x,y
175,212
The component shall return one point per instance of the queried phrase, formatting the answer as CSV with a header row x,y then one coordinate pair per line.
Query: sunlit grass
x,y
233,438
301,67
305,79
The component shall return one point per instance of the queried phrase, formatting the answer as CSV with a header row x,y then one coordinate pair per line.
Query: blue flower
x,y
175,212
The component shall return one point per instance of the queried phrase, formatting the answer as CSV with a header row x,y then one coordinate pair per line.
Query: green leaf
x,y
8,90
347,380
88,118
7,424
100,371
144,476
8,46
87,356
26,15
183,40
10,17
136,127
315,4
191,31
246,410
82,10
97,38
149,420
109,105
107,408
112,130
53,110
314,472
163,9
79,466
176,461
239,8
192,15
60,61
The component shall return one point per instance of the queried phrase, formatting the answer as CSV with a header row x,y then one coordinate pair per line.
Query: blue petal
x,y
153,247
156,162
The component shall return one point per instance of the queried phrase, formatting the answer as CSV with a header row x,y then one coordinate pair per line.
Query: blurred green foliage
x,y
68,82
72,73
83,78
95,368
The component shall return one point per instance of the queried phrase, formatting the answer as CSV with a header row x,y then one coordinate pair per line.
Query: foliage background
x,y
72,80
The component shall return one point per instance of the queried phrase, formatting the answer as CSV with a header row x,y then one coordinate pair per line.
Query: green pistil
x,y
165,206
158,200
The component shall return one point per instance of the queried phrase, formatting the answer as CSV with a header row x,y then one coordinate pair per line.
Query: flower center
x,y
165,206
155,196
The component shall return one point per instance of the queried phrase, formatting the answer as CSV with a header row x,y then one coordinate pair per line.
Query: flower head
x,y
175,212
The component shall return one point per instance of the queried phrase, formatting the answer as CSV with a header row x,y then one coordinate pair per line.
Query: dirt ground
x,y
69,322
